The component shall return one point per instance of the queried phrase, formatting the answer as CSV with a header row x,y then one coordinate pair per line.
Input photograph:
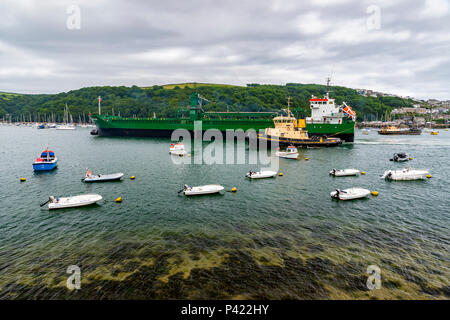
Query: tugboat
x,y
393,130
46,162
287,133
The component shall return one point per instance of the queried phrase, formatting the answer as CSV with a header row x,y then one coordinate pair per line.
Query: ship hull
x,y
300,143
165,127
344,131
404,133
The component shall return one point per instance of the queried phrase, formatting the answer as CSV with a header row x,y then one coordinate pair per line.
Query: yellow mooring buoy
x,y
429,176
119,199
363,172
280,174
374,193
234,189
306,159
132,177
23,179
410,158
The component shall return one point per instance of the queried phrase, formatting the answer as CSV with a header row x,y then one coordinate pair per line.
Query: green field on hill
x,y
192,85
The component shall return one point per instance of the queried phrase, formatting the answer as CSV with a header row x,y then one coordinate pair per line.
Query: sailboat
x,y
66,125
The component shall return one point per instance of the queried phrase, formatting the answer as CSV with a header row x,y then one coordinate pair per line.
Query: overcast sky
x,y
400,47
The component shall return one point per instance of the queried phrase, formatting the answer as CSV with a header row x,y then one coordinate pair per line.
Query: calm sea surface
x,y
281,238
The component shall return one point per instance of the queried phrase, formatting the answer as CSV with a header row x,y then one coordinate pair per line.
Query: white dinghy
x,y
73,202
102,177
344,173
195,191
261,174
405,174
177,149
290,153
350,194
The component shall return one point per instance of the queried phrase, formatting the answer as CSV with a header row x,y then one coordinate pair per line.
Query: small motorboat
x,y
195,191
46,162
290,153
65,127
89,177
344,172
73,202
400,157
177,149
261,174
350,194
405,174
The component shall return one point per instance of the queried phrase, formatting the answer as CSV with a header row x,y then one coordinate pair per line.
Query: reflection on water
x,y
277,238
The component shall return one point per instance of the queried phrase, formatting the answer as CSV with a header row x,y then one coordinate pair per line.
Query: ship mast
x,y
328,87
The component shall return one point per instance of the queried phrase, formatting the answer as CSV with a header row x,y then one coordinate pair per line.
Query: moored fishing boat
x,y
89,177
46,162
261,174
344,172
405,174
400,157
201,190
290,153
73,202
350,194
177,149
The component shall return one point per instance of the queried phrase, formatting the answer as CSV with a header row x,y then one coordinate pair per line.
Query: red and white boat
x,y
177,149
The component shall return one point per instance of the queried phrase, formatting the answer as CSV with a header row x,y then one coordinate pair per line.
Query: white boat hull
x,y
406,174
74,202
262,175
345,172
201,190
178,152
350,194
287,155
104,177
65,128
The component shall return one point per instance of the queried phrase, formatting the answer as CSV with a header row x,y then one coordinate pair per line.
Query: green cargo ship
x,y
332,123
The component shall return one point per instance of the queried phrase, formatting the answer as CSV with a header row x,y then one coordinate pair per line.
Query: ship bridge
x,y
325,111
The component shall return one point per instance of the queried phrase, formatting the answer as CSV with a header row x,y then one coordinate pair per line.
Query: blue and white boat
x,y
46,162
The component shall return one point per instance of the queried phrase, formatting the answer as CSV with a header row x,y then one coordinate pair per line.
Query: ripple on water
x,y
281,238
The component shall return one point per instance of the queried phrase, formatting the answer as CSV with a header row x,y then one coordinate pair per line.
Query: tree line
x,y
145,102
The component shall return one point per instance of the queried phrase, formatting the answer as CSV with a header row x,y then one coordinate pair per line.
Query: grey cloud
x,y
237,42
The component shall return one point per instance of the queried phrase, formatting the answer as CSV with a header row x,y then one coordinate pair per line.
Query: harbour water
x,y
281,238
